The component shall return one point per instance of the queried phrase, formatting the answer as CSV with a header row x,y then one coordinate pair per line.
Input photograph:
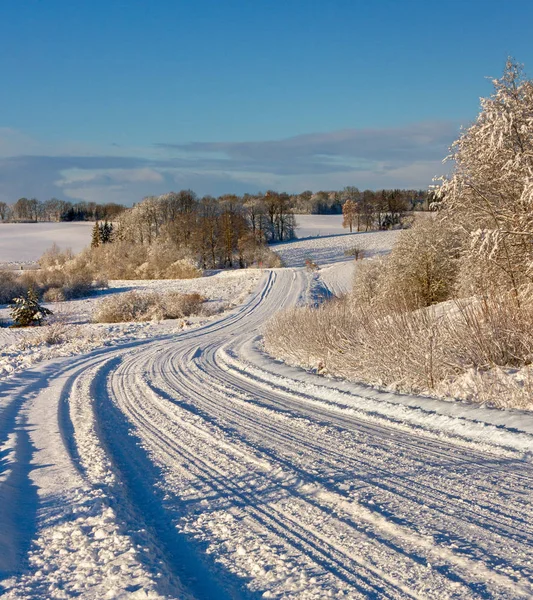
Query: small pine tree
x,y
95,239
26,310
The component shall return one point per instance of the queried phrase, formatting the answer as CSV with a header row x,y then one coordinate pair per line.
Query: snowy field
x,y
26,242
176,460
318,225
331,248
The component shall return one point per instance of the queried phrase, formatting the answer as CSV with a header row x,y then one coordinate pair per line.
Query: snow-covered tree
x,y
489,196
349,214
106,232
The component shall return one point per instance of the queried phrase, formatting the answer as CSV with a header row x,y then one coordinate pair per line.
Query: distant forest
x,y
31,210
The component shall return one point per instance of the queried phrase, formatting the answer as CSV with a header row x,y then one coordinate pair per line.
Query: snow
x,y
330,249
26,242
318,225
177,460
19,348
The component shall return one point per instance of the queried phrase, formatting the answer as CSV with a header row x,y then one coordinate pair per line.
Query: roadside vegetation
x,y
148,306
60,277
450,310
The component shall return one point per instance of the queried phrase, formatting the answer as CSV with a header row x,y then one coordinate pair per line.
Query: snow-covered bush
x,y
54,294
421,270
127,260
51,335
422,267
184,268
129,306
311,265
147,306
177,305
10,286
261,256
63,282
356,252
54,257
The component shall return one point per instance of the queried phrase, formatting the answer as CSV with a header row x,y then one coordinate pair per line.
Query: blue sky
x,y
108,100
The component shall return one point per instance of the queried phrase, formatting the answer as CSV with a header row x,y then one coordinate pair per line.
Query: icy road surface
x,y
191,466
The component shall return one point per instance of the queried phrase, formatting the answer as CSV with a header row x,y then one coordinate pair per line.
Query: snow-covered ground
x,y
171,462
22,243
331,249
318,225
336,270
26,242
72,320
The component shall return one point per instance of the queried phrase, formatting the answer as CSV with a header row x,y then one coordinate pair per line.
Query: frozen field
x,y
331,248
26,242
318,225
21,347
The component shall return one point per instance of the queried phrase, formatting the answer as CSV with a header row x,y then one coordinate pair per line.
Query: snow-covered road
x,y
191,466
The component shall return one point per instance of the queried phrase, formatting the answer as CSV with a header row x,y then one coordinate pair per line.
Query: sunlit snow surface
x,y
26,242
177,460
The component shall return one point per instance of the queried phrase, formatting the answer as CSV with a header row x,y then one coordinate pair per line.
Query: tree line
x,y
394,201
31,210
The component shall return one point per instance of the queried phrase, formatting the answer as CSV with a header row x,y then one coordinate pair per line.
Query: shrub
x,y
356,251
264,257
54,294
125,260
422,267
65,283
11,286
311,265
182,269
420,351
177,305
129,306
51,335
54,257
147,306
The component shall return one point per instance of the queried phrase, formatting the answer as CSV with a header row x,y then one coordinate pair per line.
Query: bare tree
x,y
349,214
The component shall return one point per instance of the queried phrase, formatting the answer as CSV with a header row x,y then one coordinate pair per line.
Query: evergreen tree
x,y
26,310
95,239
109,231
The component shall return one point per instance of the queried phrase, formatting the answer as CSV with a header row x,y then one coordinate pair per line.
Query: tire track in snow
x,y
291,493
180,362
359,575
263,423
